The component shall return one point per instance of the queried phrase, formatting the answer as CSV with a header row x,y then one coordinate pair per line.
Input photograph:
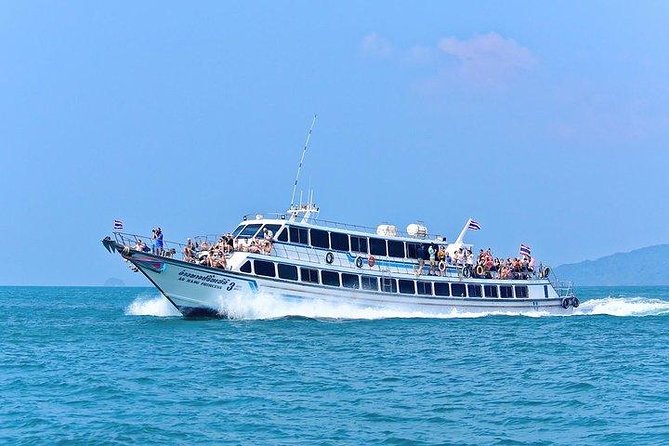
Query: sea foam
x,y
265,305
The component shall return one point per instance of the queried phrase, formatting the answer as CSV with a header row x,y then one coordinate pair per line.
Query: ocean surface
x,y
119,366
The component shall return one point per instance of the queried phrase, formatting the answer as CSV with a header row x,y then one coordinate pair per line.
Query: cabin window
x,y
272,228
521,291
264,268
458,289
287,271
246,267
283,236
330,278
377,247
350,280
358,244
388,285
505,291
396,249
424,288
309,275
474,290
339,241
299,235
236,232
320,239
249,231
407,286
490,290
369,283
546,291
412,249
441,289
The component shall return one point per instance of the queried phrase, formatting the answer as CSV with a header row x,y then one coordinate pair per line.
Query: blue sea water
x,y
119,366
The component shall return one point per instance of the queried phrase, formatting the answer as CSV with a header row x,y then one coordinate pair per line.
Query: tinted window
x,y
283,237
246,267
521,291
350,280
546,291
411,250
236,232
388,285
505,292
299,235
395,248
339,241
287,271
249,231
264,268
458,289
358,244
309,275
424,288
369,283
330,278
441,289
320,239
272,228
474,290
377,247
407,287
490,290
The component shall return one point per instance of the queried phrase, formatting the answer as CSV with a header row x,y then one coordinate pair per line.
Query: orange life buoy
x,y
371,261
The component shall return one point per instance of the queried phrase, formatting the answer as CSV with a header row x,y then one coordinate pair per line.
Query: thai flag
x,y
473,225
118,225
525,250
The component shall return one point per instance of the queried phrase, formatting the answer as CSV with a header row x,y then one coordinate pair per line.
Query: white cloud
x,y
377,46
488,57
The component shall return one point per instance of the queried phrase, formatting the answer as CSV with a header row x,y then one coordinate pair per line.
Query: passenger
x,y
531,265
159,242
139,245
188,251
431,252
267,234
448,259
420,253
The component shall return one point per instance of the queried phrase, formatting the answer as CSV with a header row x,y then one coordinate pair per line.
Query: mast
x,y
299,167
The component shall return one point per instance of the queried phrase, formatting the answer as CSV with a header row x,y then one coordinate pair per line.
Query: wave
x,y
267,306
623,306
152,306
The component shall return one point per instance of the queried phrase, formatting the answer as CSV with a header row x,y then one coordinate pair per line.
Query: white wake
x,y
151,306
264,306
623,306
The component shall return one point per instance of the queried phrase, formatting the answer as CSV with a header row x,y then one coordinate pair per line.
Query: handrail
x,y
312,255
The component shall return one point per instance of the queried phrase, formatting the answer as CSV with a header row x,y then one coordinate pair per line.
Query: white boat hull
x,y
200,291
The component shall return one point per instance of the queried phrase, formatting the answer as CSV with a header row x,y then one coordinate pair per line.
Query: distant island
x,y
641,267
113,281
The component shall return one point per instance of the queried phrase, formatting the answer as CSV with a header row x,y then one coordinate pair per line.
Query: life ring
x,y
565,303
442,266
358,262
371,261
467,271
329,257
575,302
545,272
479,270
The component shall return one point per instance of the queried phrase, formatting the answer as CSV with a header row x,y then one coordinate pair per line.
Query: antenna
x,y
299,167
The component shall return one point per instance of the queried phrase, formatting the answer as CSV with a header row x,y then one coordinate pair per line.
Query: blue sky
x,y
547,122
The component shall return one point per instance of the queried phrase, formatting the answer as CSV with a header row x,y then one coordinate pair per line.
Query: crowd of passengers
x,y
485,266
214,255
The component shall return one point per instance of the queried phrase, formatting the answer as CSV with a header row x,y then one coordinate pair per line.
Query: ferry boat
x,y
301,257
306,258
